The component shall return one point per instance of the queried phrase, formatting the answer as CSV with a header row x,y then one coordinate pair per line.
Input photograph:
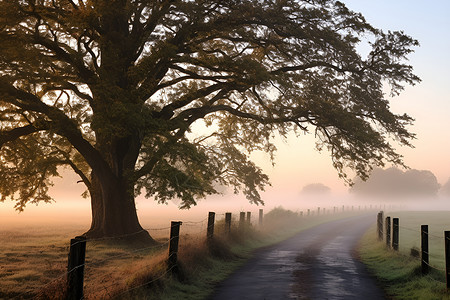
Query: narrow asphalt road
x,y
317,263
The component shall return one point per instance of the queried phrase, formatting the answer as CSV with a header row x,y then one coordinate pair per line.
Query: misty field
x,y
409,232
400,272
33,260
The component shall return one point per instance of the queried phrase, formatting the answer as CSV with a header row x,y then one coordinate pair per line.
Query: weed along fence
x,y
390,230
205,230
78,265
110,268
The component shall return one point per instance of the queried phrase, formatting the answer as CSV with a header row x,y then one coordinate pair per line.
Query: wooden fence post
x,y
395,237
241,220
173,245
228,223
318,211
381,223
380,226
447,257
210,228
249,218
75,268
424,248
261,215
388,231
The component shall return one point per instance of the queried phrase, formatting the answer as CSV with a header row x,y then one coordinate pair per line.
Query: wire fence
x,y
439,276
108,261
105,264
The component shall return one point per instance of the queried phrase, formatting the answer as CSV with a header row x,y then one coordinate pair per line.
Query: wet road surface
x,y
317,263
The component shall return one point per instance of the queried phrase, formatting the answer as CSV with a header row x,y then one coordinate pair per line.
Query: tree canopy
x,y
395,182
112,88
445,188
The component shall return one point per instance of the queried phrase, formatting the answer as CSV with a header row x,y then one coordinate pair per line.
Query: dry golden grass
x,y
33,262
32,259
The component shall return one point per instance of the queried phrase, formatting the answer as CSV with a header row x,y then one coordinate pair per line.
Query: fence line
x,y
198,228
172,253
128,253
424,235
436,268
410,229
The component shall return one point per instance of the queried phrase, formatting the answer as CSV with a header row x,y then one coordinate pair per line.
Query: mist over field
x,y
76,211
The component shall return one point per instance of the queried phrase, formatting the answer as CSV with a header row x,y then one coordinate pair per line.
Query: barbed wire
x,y
432,255
194,222
146,283
61,276
196,233
89,263
436,268
438,281
436,236
158,229
136,271
410,229
89,240
421,231
129,253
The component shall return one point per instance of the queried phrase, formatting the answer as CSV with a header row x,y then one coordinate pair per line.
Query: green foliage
x,y
114,88
280,214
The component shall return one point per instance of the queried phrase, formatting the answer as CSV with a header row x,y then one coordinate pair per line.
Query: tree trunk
x,y
112,192
114,212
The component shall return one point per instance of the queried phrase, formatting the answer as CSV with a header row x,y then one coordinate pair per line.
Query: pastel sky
x,y
297,162
428,102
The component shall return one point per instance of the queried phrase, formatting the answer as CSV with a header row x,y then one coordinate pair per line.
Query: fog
x,y
75,211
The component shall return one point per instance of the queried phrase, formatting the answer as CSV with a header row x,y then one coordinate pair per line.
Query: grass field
x,y
399,272
33,261
409,233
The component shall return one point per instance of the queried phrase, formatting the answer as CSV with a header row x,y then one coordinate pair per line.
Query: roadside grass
x,y
399,273
33,262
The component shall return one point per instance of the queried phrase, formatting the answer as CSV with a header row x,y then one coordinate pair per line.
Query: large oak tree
x,y
112,89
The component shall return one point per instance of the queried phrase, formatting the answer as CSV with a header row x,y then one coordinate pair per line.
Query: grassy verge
x,y
400,274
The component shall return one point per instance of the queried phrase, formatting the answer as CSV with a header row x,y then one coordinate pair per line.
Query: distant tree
x,y
316,188
445,188
112,88
395,182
